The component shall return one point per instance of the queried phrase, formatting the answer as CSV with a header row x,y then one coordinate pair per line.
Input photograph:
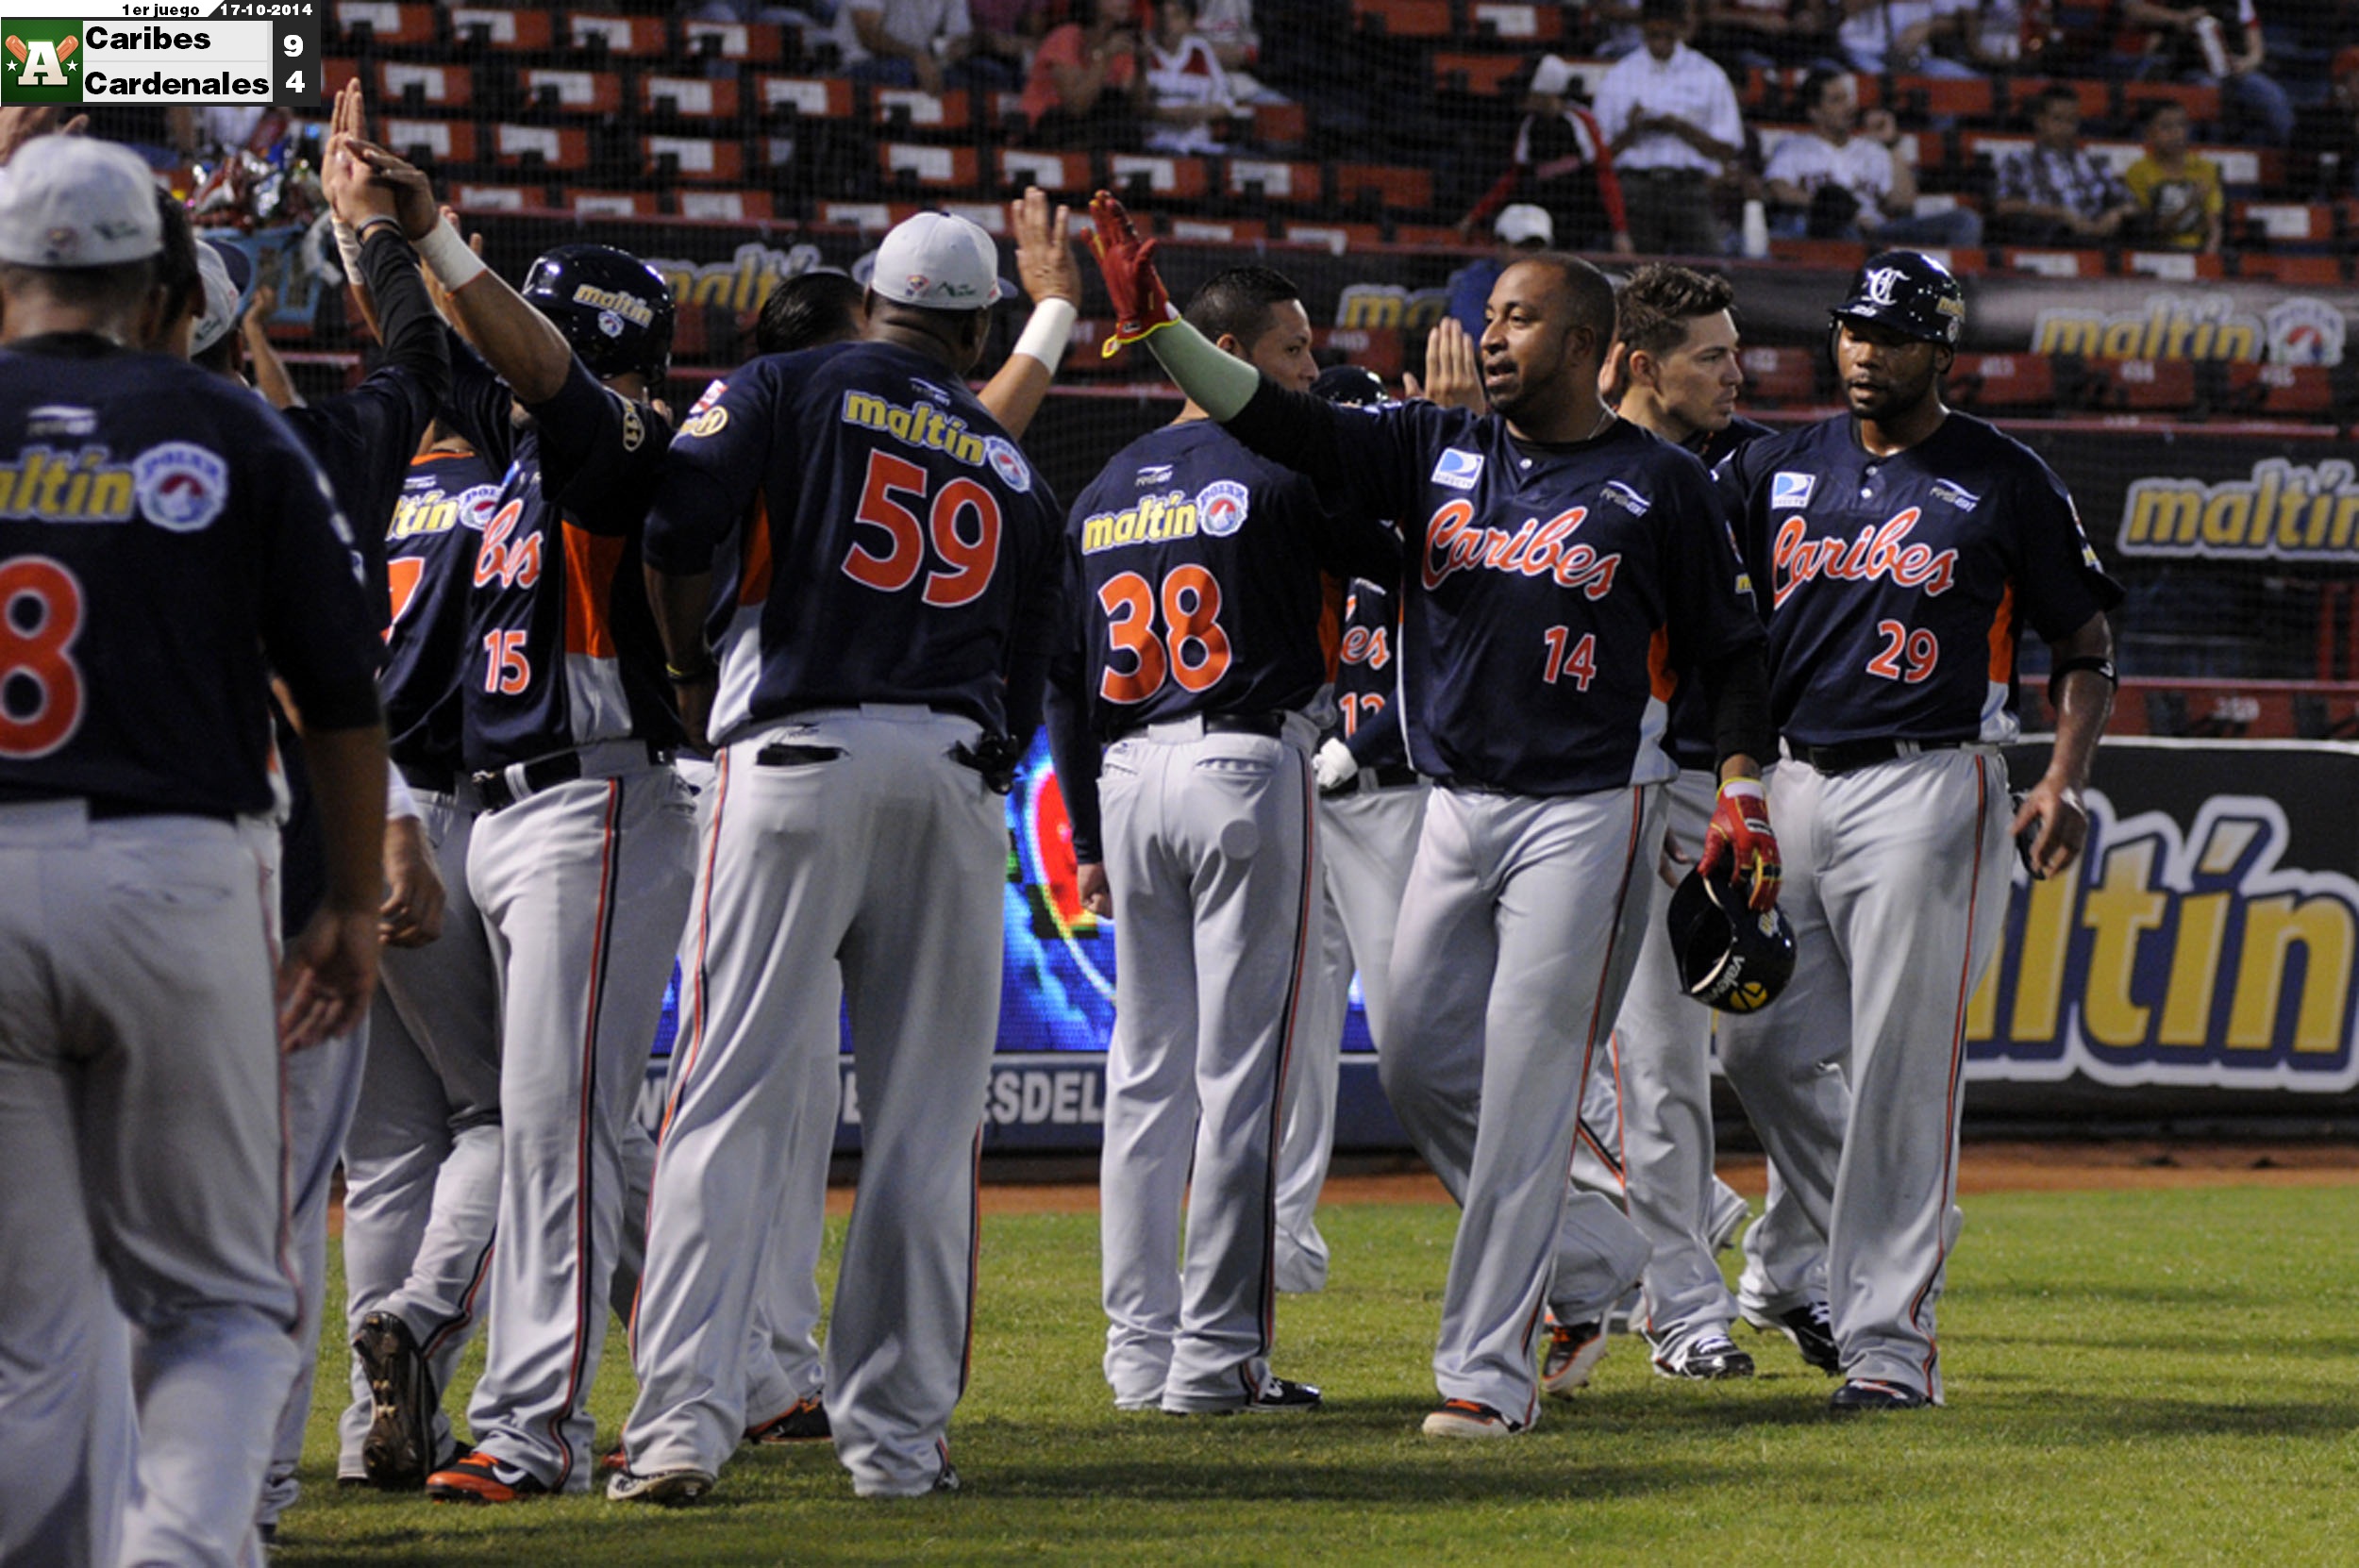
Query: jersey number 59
x,y
41,615
967,562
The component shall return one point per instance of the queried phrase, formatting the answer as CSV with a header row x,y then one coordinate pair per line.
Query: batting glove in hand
x,y
1739,847
1142,306
1334,766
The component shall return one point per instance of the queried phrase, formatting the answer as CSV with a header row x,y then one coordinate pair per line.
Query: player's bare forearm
x,y
523,345
329,969
2084,701
1015,395
679,604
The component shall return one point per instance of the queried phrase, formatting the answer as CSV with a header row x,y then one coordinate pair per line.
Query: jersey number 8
x,y
970,562
40,614
1194,650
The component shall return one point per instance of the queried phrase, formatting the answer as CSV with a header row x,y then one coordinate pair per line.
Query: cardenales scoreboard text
x,y
158,52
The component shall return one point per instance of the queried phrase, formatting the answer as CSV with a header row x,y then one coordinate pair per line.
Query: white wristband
x,y
399,803
348,249
448,257
1048,331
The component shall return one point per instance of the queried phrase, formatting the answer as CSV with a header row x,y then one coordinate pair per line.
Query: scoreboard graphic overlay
x,y
147,52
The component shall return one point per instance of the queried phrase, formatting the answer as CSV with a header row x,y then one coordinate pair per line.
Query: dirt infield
x,y
1987,1168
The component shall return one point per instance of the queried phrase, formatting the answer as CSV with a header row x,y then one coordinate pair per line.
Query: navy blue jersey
x,y
362,440
1898,587
893,542
1689,738
1368,676
1195,577
561,647
1549,593
164,542
446,498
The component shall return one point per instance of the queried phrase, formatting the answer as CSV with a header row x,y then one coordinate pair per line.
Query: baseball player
x,y
578,857
884,625
1898,550
1197,564
1679,377
784,1365
1558,559
135,990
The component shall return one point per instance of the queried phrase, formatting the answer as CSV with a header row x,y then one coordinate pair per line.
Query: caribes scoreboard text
x,y
157,52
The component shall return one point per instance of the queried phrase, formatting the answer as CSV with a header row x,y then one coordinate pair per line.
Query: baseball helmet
x,y
1910,293
614,309
1729,957
1353,384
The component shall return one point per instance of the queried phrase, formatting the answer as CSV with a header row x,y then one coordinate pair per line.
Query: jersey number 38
x,y
1193,650
40,686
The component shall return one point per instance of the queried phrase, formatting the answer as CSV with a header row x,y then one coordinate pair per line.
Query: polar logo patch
x,y
476,504
1008,463
1791,490
1457,470
1221,507
181,487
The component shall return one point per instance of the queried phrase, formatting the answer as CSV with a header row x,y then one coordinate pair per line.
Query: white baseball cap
x,y
224,297
73,201
1524,221
1551,76
940,261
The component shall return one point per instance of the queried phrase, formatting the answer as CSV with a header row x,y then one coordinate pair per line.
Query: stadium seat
x,y
1272,179
471,196
726,207
1783,376
811,97
2269,225
613,204
762,42
1212,231
904,110
2137,386
528,31
1337,238
637,37
563,149
1400,185
688,97
1381,349
584,92
384,24
1055,173
2015,383
2052,263
1281,124
923,167
410,86
706,159
2173,266
1402,18
1480,75
2288,390
430,141
1512,22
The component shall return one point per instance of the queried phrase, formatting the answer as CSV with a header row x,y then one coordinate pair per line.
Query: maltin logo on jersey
x,y
44,64
1221,507
181,487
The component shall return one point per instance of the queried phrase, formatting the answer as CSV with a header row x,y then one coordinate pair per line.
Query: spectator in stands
x,y
1766,34
1228,26
1834,182
1898,37
1009,30
1562,166
1672,125
927,44
2330,133
2177,189
1522,229
2056,191
2216,42
1188,93
1085,86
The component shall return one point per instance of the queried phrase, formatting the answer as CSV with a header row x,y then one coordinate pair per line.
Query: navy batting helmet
x,y
1353,384
614,309
1729,957
1910,293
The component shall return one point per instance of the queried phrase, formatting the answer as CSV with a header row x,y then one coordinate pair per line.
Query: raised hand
x,y
1044,249
412,192
1141,303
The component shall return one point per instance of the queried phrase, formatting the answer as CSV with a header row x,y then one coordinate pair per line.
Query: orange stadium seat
x,y
430,141
928,167
638,36
565,149
1274,179
726,207
1212,231
1516,20
1403,18
811,97
384,23
2303,390
1055,173
2141,386
1404,186
2283,222
1336,236
2300,272
1781,375
1940,97
1281,124
407,85
572,91
503,27
1377,348
760,42
2010,381
2052,263
1484,76
1163,175
868,217
706,159
335,71
904,110
613,204
2173,266
689,97
469,196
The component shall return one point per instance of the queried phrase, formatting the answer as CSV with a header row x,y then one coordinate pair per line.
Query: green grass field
x,y
2133,1378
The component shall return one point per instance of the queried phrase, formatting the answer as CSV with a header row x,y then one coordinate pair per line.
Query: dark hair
x,y
1589,291
1663,11
806,310
1236,303
1815,87
176,265
1660,300
2155,109
2050,96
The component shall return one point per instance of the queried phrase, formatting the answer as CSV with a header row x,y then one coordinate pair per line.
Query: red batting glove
x,y
1141,303
1739,846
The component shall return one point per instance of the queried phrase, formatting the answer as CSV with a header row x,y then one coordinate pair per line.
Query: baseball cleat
x,y
806,1420
1465,1418
399,1449
477,1477
1810,1330
614,1460
947,1481
1866,1393
1282,1394
1706,1358
675,1487
1574,1351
